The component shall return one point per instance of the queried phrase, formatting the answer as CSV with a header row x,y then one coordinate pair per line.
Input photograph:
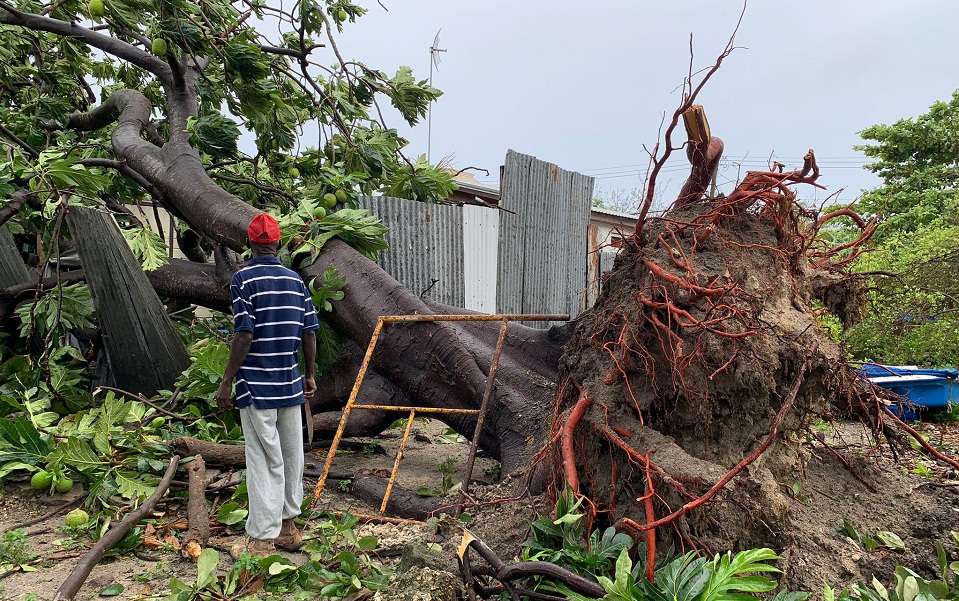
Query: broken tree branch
x,y
198,516
506,573
75,580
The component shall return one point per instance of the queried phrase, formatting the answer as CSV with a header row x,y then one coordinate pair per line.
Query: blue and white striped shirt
x,y
272,302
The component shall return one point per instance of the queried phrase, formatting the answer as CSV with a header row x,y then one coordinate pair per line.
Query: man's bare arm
x,y
308,342
239,348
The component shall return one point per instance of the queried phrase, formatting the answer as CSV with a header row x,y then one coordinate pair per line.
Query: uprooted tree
x,y
683,385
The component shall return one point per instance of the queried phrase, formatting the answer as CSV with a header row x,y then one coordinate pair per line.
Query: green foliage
x,y
329,289
333,542
147,247
207,364
447,486
410,97
214,135
690,578
912,316
420,181
560,541
883,538
58,311
918,163
308,233
830,325
356,227
14,553
94,445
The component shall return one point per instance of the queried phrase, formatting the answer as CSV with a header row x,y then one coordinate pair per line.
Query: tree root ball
x,y
702,329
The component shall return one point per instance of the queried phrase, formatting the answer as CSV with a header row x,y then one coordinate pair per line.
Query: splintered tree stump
x,y
143,349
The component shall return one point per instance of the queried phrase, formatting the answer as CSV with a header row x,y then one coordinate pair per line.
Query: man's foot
x,y
290,538
253,546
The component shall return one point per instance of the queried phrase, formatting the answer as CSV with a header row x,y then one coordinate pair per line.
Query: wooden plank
x,y
144,352
12,269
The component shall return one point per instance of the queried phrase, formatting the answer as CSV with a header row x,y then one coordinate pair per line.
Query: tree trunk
x,y
144,352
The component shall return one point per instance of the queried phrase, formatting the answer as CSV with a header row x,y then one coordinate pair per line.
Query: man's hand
x,y
223,394
309,388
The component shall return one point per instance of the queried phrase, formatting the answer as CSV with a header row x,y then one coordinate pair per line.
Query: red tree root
x,y
672,279
844,462
650,518
566,440
787,405
922,441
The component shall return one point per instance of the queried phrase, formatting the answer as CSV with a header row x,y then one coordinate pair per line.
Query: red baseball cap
x,y
264,229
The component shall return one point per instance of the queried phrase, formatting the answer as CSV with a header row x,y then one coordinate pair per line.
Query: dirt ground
x,y
916,500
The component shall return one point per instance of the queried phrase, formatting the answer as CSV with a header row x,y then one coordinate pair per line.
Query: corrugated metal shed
x,y
542,246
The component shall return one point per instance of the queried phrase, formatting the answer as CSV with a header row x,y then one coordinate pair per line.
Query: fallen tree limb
x,y
506,573
198,515
402,502
215,453
75,580
234,455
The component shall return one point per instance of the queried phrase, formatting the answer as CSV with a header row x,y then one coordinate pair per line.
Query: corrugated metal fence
x,y
543,246
532,260
426,246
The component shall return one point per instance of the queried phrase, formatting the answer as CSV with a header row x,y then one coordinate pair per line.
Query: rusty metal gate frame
x,y
481,412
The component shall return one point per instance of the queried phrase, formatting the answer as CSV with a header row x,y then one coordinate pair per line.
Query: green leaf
x,y
278,567
20,442
568,518
135,485
367,543
891,540
356,227
410,97
215,135
112,591
683,578
147,247
77,454
727,573
206,566
233,517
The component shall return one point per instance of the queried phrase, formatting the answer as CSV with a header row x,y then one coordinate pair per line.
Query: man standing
x,y
273,314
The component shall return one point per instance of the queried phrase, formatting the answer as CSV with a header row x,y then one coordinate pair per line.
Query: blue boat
x,y
922,388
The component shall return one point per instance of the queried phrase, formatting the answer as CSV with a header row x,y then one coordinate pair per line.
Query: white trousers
x,y
274,467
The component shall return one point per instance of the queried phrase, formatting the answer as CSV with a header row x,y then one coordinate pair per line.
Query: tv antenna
x,y
434,61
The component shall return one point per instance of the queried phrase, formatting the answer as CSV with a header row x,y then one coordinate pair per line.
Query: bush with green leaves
x,y
339,566
562,540
14,553
912,316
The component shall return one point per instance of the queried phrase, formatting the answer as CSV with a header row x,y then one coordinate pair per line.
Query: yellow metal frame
x,y
481,412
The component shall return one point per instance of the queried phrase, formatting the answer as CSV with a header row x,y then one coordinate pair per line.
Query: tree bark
x,y
198,515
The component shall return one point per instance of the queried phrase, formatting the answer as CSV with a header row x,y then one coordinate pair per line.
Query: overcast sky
x,y
586,85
